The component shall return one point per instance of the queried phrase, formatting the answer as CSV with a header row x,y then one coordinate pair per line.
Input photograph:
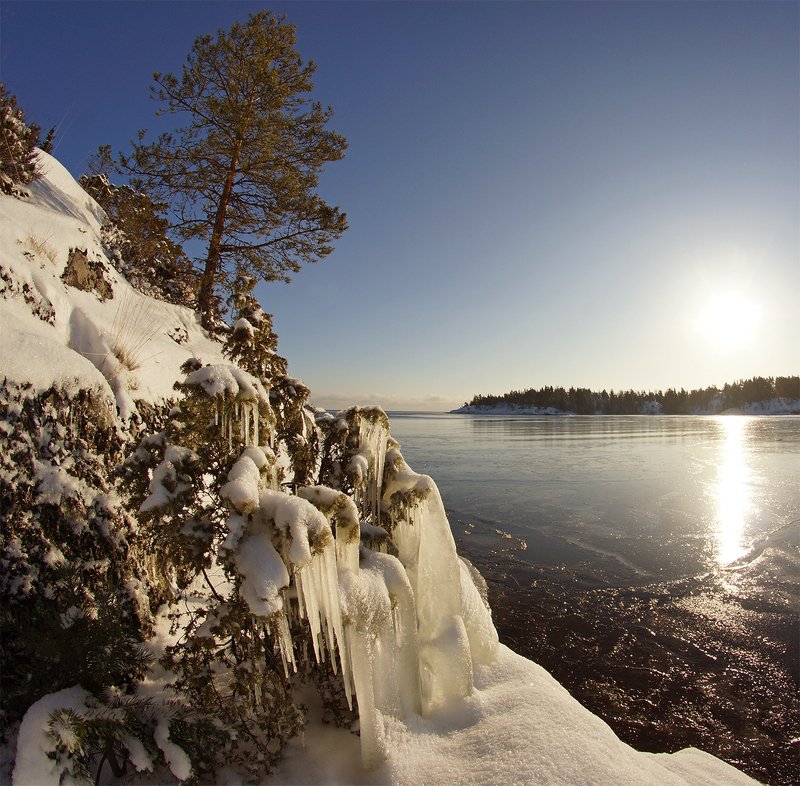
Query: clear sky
x,y
603,195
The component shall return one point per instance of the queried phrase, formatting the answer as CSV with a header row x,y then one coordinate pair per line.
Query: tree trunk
x,y
205,295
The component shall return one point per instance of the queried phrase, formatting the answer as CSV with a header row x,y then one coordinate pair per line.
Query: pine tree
x,y
241,175
252,343
18,141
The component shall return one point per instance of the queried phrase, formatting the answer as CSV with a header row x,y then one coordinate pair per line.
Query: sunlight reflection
x,y
732,491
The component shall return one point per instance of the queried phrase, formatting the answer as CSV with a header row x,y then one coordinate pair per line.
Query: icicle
x,y
372,733
284,638
373,438
306,596
322,564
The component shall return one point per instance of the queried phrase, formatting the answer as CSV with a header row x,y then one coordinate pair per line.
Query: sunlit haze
x,y
603,195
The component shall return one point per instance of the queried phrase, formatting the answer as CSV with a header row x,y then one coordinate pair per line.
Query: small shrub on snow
x,y
41,248
132,330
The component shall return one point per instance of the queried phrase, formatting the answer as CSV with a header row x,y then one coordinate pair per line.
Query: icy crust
x,y
454,626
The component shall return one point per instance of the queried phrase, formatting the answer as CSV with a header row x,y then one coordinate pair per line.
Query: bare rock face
x,y
86,274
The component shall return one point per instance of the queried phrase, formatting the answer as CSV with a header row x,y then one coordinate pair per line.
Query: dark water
x,y
652,564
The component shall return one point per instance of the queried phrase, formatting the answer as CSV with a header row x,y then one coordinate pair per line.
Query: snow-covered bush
x,y
252,343
295,432
72,584
18,141
353,452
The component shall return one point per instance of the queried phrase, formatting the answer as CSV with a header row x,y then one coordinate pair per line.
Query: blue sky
x,y
603,195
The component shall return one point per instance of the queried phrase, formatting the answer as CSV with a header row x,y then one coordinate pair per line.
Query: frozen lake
x,y
621,499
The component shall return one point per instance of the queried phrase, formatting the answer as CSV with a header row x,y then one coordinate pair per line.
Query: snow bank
x,y
518,727
773,406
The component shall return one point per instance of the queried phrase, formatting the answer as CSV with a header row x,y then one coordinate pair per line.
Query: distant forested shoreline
x,y
758,393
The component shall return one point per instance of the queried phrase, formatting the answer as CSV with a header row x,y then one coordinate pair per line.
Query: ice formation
x,y
403,631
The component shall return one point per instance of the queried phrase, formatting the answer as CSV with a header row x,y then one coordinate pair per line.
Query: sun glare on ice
x,y
729,320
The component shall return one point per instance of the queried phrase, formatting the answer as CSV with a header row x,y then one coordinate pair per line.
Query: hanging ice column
x,y
365,468
239,399
454,625
380,625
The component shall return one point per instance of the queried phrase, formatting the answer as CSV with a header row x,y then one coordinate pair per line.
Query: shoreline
x,y
708,661
792,410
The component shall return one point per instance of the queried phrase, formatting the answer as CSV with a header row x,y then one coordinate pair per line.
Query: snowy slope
x,y
55,333
518,725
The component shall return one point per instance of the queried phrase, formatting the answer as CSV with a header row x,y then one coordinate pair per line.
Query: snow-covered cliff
x,y
372,576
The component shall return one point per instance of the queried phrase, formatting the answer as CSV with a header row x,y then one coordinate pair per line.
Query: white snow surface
x,y
78,349
475,714
33,767
519,726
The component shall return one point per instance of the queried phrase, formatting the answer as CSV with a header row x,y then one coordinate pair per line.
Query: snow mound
x,y
519,726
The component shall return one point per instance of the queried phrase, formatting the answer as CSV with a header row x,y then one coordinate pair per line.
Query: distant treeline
x,y
583,401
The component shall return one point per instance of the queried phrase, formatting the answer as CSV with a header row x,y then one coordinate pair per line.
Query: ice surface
x,y
482,635
426,548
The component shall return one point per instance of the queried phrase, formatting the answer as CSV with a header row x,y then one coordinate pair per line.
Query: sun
x,y
730,320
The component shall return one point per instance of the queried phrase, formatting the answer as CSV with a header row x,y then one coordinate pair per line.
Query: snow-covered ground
x,y
519,726
515,724
55,333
